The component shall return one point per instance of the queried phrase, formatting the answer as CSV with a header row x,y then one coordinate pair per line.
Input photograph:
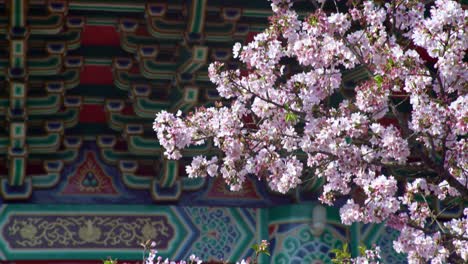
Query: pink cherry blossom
x,y
389,145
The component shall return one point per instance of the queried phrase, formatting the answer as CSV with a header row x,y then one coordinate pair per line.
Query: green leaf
x,y
379,80
313,21
348,140
291,117
362,250
255,247
341,255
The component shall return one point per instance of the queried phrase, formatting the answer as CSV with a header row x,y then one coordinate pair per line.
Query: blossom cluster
x,y
153,258
369,257
279,122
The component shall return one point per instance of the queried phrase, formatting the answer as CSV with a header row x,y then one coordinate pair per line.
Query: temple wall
x,y
297,233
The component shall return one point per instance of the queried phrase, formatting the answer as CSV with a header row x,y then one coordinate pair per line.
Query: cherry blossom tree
x,y
397,137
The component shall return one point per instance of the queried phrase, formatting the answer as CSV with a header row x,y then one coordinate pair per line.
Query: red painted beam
x,y
97,74
250,37
100,36
92,113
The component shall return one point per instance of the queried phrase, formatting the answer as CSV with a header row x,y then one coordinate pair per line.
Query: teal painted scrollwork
x,y
299,245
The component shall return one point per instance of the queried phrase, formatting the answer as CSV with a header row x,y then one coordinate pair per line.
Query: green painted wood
x,y
355,239
66,156
115,6
44,144
17,13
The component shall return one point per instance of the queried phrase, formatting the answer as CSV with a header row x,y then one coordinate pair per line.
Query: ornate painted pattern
x,y
99,71
65,231
299,245
213,233
91,232
219,190
213,241
219,232
89,178
388,254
